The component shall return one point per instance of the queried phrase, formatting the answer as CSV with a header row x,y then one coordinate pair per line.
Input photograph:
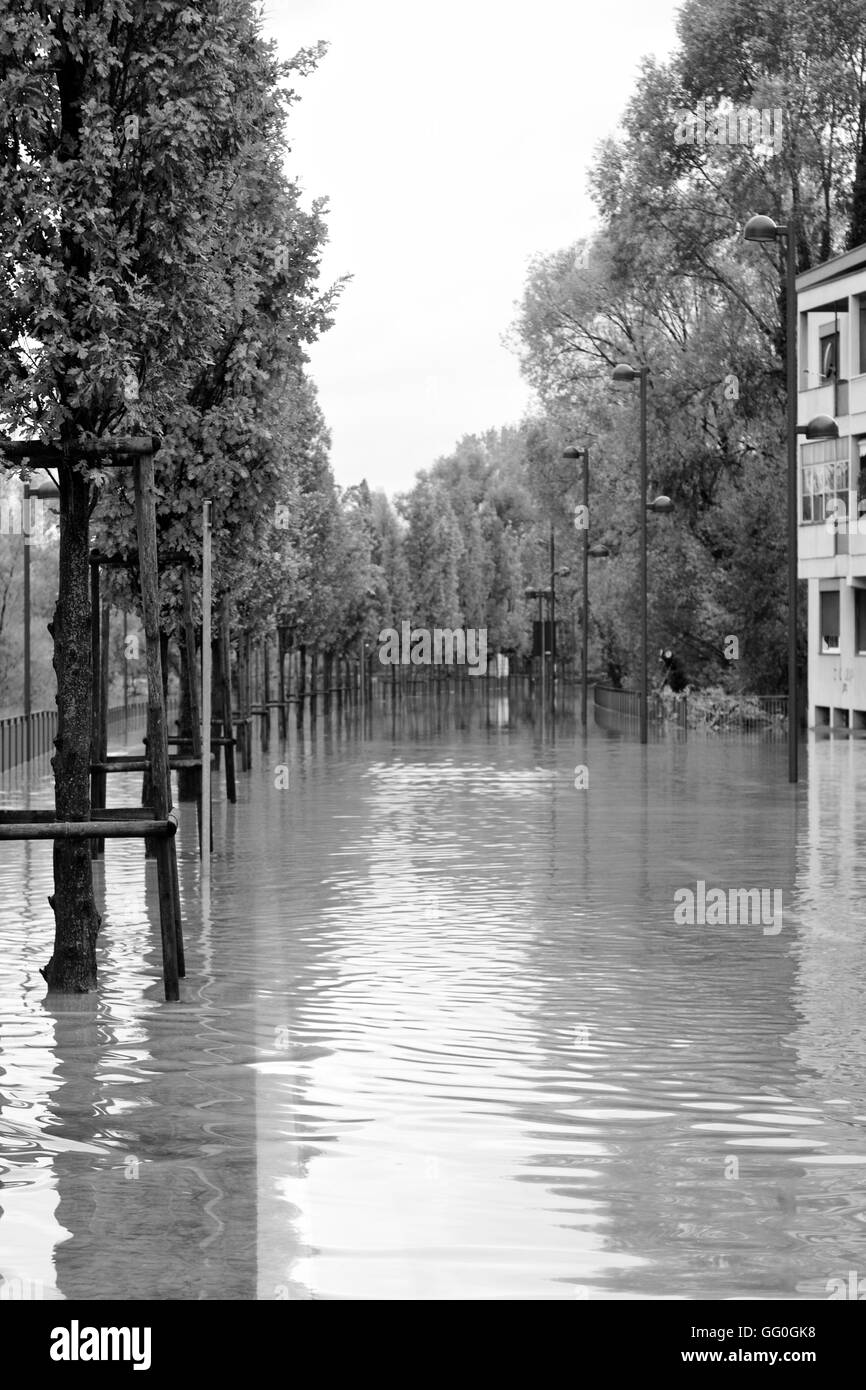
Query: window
x,y
861,477
862,324
829,620
860,621
829,352
824,479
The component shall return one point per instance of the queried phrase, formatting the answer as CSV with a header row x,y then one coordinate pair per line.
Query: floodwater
x,y
441,1035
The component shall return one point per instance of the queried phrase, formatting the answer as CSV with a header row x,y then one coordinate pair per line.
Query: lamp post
x,y
539,594
25,528
552,619
622,375
596,552
572,453
764,229
551,597
550,594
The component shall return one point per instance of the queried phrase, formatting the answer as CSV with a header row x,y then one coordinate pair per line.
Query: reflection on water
x,y
441,1035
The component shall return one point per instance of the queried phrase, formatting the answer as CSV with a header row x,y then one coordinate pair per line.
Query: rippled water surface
x,y
441,1035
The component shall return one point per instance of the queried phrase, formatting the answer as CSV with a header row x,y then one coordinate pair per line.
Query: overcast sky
x,y
453,141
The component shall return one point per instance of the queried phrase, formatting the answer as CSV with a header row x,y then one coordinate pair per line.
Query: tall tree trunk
x,y
187,777
301,685
281,681
266,693
857,224
72,967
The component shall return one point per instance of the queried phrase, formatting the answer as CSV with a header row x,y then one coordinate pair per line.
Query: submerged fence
x,y
627,704
43,730
743,714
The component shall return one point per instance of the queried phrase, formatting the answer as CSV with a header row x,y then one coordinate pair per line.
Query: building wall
x,y
836,682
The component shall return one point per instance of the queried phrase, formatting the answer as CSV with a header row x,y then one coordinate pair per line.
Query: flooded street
x,y
441,1035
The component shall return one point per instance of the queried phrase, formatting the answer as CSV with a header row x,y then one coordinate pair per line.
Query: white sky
x,y
452,141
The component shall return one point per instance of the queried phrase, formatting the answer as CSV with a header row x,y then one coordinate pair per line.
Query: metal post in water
x,y
207,522
25,529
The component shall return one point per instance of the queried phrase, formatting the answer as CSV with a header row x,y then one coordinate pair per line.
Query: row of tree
x,y
665,281
159,277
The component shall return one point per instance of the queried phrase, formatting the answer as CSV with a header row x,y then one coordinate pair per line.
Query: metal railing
x,y
740,713
43,730
750,714
627,704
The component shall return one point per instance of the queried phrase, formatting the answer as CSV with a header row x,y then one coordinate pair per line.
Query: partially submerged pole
x,y
206,689
25,530
157,745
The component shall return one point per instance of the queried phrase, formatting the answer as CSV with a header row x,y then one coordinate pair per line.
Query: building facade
x,y
831,501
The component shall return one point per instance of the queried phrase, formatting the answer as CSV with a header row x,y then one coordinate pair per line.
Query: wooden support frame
x,y
88,829
100,616
157,825
225,682
282,703
194,704
165,851
121,764
265,699
43,815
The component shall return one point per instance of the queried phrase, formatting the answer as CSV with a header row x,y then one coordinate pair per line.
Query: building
x,y
831,323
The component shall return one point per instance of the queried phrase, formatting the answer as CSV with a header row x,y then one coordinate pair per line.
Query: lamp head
x,y
820,427
572,453
663,505
760,229
598,551
623,374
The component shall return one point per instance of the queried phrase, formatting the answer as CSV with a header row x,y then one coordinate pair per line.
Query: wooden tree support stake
x,y
165,852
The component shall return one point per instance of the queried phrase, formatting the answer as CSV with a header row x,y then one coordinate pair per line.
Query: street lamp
x,y
574,453
623,374
551,595
820,427
764,229
540,595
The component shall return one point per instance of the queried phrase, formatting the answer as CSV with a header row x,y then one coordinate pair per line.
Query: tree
x,y
124,132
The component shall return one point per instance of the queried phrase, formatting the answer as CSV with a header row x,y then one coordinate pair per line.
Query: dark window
x,y
830,620
862,362
860,620
829,354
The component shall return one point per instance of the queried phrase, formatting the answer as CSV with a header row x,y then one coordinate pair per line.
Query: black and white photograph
x,y
433,670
